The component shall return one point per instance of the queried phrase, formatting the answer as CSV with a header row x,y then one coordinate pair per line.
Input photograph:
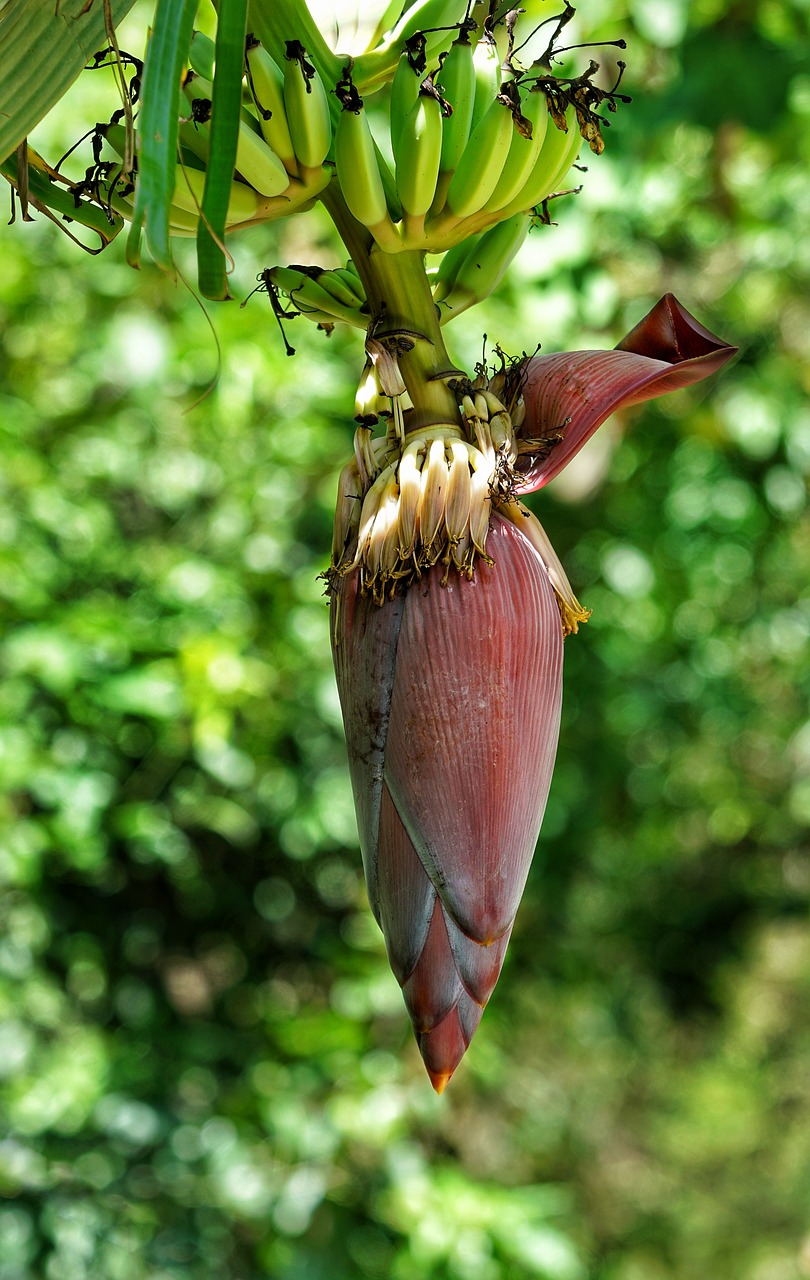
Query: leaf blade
x,y
42,52
225,119
158,124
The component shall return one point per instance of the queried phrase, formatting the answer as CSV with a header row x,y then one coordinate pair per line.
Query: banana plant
x,y
435,128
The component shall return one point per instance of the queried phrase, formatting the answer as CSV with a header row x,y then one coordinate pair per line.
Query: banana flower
x,y
451,693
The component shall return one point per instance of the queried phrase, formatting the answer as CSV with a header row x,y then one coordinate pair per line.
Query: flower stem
x,y
402,309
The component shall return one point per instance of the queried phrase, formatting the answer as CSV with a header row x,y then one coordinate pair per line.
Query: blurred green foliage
x,y
205,1062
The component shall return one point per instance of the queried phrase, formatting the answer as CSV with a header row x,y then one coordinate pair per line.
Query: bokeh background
x,y
206,1066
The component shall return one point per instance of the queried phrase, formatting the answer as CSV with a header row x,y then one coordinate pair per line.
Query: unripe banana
x,y
487,69
449,266
308,295
359,174
483,268
255,161
351,268
307,109
259,164
266,82
557,154
523,153
389,16
202,55
404,93
352,282
180,222
334,284
482,163
417,158
456,81
243,203
427,16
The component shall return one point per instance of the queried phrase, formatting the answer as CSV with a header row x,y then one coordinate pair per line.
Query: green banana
x,y
485,264
523,153
450,265
202,55
487,68
255,161
426,15
266,81
307,109
334,283
243,203
189,184
358,173
417,158
352,282
404,93
456,80
558,153
310,296
181,223
481,165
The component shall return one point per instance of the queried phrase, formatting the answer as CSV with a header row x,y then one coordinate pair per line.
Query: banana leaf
x,y
44,44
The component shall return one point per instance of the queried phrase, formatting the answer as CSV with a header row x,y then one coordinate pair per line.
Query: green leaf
x,y
225,117
44,44
157,127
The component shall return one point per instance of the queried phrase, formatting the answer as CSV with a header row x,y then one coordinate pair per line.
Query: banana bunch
x,y
473,143
285,132
256,162
508,162
285,135
323,296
